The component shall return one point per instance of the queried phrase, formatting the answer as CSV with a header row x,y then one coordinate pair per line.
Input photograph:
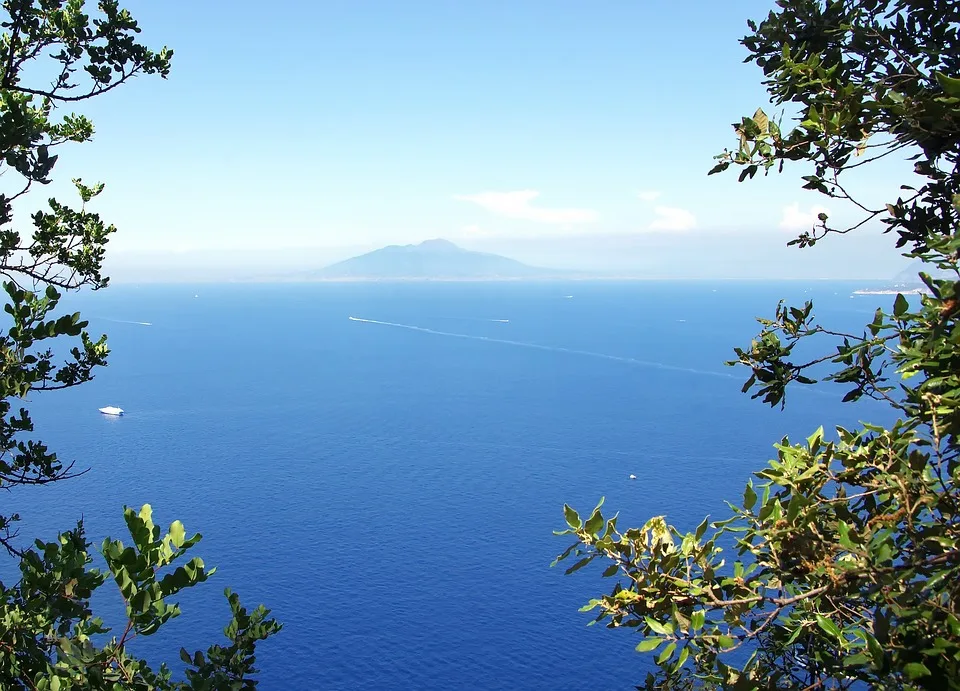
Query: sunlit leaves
x,y
50,638
137,569
839,567
232,666
856,93
47,627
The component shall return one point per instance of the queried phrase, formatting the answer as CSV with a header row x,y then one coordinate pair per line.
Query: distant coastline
x,y
891,291
448,279
571,277
549,278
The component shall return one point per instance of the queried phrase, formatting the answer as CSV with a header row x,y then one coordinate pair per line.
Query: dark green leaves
x,y
749,496
232,666
915,670
48,621
572,517
839,568
138,570
579,565
55,52
950,85
900,306
828,626
770,355
594,523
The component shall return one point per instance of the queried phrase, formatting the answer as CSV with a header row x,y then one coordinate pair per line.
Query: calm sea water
x,y
390,491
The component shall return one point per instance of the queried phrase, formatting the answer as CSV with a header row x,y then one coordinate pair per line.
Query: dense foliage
x,y
844,571
53,53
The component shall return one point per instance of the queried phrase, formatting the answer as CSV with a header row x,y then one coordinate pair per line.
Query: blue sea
x,y
388,485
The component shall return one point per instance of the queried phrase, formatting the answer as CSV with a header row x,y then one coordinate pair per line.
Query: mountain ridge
x,y
435,259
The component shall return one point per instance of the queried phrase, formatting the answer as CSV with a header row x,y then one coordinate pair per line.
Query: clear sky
x,y
560,132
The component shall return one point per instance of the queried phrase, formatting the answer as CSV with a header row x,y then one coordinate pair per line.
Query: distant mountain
x,y
430,260
910,278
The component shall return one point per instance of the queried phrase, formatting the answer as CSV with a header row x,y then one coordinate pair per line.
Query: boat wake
x,y
124,321
475,319
555,349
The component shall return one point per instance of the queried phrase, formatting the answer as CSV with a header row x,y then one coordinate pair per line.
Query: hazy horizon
x,y
570,146
707,255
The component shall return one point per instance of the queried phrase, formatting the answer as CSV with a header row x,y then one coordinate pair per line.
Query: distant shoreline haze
x,y
555,259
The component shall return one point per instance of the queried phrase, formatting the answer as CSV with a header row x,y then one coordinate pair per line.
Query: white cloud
x,y
795,219
518,205
671,218
649,195
473,230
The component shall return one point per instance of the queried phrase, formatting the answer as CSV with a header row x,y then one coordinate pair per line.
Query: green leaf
x,y
828,626
876,651
594,524
702,528
657,627
567,552
572,517
900,305
794,507
177,534
666,653
579,565
856,660
749,496
843,531
762,121
816,439
648,644
915,670
950,85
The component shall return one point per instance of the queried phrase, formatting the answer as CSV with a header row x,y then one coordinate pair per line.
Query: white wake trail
x,y
475,319
123,321
555,349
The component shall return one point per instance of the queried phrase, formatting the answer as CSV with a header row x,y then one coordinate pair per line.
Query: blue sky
x,y
561,132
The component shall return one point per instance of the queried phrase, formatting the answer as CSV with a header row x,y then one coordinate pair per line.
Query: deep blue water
x,y
390,492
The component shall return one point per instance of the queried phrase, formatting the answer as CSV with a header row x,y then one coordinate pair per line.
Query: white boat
x,y
111,410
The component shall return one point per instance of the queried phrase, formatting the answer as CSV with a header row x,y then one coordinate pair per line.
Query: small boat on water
x,y
111,410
